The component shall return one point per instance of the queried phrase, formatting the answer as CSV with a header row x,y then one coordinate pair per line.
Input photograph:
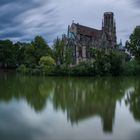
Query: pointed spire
x,y
120,44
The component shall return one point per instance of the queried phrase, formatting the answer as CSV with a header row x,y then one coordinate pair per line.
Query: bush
x,y
62,70
23,69
46,65
35,71
116,61
131,68
82,69
46,61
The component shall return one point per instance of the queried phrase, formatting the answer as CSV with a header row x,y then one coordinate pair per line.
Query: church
x,y
81,38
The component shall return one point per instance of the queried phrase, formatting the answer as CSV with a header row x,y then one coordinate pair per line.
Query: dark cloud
x,y
12,34
3,2
136,3
23,19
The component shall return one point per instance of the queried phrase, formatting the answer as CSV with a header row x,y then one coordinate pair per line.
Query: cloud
x,y
23,19
90,13
135,3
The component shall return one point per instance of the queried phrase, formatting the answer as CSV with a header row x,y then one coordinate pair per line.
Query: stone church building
x,y
81,38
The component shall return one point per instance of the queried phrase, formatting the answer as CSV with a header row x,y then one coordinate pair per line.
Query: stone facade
x,y
81,38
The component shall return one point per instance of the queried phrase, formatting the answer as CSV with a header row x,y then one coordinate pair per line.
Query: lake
x,y
60,108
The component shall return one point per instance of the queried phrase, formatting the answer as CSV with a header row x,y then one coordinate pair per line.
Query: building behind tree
x,y
81,38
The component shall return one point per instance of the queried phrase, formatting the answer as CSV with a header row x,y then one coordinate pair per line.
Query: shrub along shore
x,y
115,67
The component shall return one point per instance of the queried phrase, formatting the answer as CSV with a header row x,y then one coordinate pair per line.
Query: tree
x,y
39,42
7,54
46,61
20,52
101,60
46,64
41,47
58,48
68,56
133,45
29,56
116,61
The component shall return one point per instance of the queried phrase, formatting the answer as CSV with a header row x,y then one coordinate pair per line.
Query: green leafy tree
x,y
116,61
7,54
46,63
41,47
133,45
101,60
29,56
58,48
68,56
20,52
39,42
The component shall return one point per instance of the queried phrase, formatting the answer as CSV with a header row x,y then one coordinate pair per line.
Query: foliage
x,y
29,56
46,61
46,64
107,61
37,58
23,69
116,61
39,42
7,54
58,49
133,45
131,68
61,70
41,48
68,57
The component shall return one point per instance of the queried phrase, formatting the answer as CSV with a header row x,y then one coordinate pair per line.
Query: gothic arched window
x,y
80,51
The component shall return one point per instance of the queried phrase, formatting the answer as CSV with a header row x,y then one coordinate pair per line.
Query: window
x,y
80,51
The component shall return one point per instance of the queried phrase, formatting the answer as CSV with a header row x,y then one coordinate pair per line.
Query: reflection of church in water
x,y
81,38
80,103
106,112
80,99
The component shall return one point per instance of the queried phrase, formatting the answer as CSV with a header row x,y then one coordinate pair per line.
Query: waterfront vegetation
x,y
38,58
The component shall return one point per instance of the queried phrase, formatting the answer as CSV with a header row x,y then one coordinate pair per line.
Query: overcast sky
x,y
21,20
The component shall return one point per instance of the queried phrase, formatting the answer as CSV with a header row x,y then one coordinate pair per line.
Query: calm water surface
x,y
37,108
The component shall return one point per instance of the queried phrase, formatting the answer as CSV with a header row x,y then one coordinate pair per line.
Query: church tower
x,y
109,26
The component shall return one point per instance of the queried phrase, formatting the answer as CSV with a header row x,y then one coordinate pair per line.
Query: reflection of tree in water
x,y
133,99
80,98
83,98
29,88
